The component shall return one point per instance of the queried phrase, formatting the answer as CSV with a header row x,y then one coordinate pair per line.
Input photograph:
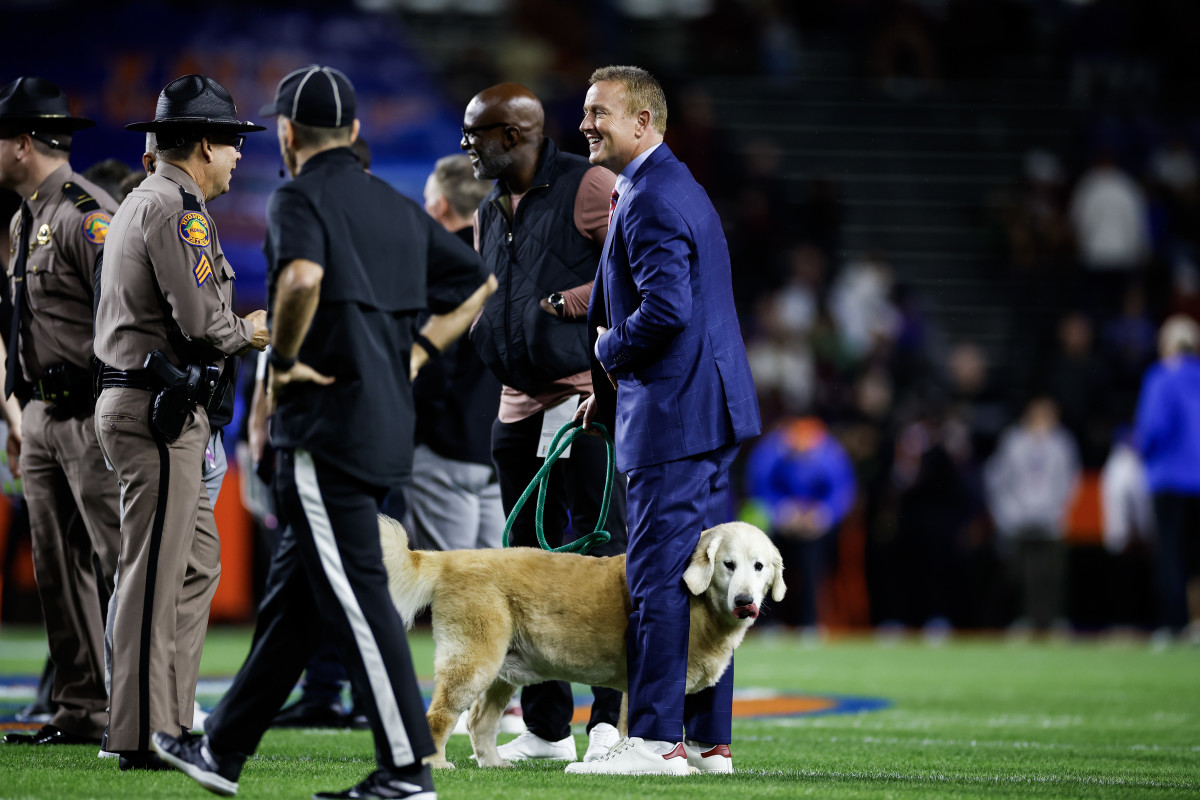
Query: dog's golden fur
x,y
513,617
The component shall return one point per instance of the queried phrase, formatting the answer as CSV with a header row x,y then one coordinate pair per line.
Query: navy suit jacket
x,y
663,289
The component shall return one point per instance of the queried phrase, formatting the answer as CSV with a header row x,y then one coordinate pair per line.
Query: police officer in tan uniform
x,y
72,498
164,328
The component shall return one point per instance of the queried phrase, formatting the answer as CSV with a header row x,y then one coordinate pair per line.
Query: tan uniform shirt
x,y
56,326
163,245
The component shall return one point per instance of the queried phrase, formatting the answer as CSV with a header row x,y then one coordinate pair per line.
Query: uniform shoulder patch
x,y
202,270
95,227
193,229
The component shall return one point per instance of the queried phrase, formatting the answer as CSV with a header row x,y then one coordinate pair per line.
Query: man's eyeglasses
x,y
235,142
471,133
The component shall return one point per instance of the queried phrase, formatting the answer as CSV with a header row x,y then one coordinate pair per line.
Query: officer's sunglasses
x,y
235,141
470,133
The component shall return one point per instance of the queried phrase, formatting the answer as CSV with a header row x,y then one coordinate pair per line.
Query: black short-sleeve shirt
x,y
385,260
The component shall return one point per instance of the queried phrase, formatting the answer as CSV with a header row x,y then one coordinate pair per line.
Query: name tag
x,y
554,418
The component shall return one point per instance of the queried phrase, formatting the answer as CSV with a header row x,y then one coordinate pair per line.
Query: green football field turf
x,y
977,717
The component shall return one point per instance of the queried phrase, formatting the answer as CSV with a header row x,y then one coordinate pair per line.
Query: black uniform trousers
x,y
328,566
573,498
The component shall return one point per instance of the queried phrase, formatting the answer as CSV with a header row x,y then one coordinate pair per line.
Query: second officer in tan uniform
x,y
72,498
164,327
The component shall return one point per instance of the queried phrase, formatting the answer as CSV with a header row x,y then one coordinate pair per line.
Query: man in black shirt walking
x,y
351,264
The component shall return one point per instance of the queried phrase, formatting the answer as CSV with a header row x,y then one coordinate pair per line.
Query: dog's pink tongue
x,y
744,612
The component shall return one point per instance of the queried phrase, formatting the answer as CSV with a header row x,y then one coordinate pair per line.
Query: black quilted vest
x,y
537,253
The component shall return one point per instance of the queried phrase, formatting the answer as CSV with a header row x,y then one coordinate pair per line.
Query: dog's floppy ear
x,y
778,587
699,573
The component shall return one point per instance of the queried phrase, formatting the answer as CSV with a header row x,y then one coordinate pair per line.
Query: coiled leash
x,y
561,441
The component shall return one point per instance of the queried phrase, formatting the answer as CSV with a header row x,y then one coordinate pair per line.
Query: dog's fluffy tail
x,y
411,592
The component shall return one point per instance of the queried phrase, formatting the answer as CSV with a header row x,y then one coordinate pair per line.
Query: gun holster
x,y
183,389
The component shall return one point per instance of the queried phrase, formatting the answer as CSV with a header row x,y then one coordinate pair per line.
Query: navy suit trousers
x,y
670,505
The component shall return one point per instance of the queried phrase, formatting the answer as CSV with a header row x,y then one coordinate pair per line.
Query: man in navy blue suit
x,y
670,344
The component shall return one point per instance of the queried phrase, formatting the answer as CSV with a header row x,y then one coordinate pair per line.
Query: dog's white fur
x,y
518,616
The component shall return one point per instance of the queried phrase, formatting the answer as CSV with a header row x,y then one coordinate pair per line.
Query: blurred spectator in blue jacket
x,y
1168,436
804,483
1030,482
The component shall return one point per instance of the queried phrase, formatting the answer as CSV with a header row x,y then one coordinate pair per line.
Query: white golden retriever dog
x,y
518,616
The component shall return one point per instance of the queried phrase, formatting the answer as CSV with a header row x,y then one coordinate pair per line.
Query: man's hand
x,y
261,336
12,415
299,373
14,451
600,331
257,433
586,412
416,359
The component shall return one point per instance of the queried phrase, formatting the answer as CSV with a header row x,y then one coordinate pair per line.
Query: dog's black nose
x,y
742,600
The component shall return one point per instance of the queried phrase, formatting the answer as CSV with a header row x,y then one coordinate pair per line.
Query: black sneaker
x,y
193,756
306,714
388,786
142,760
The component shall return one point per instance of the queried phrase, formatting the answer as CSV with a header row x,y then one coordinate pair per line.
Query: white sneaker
x,y
600,740
633,756
531,746
106,754
199,717
704,758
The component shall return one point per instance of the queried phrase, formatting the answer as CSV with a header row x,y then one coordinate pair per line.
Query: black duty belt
x,y
63,384
132,379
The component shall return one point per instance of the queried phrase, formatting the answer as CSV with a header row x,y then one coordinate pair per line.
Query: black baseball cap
x,y
319,96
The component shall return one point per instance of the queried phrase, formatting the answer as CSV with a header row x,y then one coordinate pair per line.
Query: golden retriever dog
x,y
508,618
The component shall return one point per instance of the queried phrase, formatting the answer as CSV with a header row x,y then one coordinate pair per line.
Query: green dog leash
x,y
562,440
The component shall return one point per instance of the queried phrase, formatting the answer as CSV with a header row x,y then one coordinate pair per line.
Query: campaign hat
x,y
32,103
195,103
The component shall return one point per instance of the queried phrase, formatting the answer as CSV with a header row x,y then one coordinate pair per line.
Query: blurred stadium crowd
x,y
952,222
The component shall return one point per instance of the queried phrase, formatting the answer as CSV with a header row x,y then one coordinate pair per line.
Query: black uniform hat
x,y
319,96
36,104
195,103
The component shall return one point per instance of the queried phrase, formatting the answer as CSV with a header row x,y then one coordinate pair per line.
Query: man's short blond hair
x,y
642,91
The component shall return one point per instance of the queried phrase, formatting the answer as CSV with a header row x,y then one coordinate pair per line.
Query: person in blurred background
x,y
1167,433
805,484
540,232
73,500
935,501
1030,481
455,497
109,174
1128,511
1111,224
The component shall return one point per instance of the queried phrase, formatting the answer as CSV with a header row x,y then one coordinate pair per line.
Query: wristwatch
x,y
279,361
558,303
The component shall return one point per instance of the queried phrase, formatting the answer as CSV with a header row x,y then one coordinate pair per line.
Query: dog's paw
x,y
438,763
